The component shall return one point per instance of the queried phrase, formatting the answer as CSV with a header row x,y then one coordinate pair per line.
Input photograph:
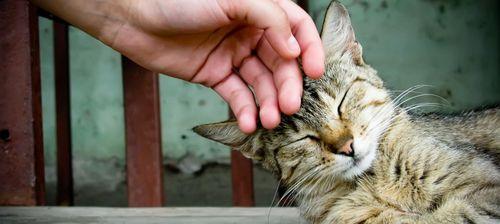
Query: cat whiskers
x,y
318,184
301,191
389,122
397,100
420,105
299,185
406,92
300,182
418,96
400,100
272,202
430,94
292,189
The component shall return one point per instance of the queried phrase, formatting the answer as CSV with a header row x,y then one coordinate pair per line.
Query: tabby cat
x,y
354,155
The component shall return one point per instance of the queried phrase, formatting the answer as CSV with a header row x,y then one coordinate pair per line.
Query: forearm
x,y
99,18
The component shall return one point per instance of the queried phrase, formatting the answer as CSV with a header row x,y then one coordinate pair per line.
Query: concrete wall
x,y
451,45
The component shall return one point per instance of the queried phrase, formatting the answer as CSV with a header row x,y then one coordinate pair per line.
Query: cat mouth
x,y
360,163
354,158
358,159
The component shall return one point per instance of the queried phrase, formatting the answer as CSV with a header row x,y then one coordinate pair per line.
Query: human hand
x,y
226,45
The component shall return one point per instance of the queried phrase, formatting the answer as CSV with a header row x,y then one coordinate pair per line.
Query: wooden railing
x,y
21,147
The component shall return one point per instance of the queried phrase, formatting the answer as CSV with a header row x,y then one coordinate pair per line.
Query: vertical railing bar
x,y
21,141
241,179
143,136
63,120
36,97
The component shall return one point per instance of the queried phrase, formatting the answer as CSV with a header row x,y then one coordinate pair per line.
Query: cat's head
x,y
337,130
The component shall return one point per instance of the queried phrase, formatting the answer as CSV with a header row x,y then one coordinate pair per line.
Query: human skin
x,y
227,45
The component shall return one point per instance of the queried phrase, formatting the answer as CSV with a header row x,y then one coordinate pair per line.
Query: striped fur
x,y
406,168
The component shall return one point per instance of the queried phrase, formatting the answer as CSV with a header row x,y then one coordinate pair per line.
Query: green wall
x,y
451,45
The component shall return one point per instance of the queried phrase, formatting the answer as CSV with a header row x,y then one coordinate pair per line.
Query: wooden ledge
x,y
167,215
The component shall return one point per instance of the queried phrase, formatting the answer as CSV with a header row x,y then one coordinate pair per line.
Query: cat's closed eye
x,y
314,138
339,108
307,137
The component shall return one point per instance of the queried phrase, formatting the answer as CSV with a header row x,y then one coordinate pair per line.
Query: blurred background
x,y
451,45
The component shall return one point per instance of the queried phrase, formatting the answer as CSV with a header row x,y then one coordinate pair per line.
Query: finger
x,y
228,54
303,28
234,91
260,78
266,15
287,77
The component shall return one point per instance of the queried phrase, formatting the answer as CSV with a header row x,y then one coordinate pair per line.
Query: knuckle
x,y
275,63
237,95
260,80
268,100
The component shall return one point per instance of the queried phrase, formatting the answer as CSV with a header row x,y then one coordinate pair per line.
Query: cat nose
x,y
347,148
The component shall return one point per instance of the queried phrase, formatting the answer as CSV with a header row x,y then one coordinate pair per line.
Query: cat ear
x,y
228,133
338,36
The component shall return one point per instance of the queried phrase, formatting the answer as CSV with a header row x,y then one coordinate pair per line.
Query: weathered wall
x,y
97,116
452,45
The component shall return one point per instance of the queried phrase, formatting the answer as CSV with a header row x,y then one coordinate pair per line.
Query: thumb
x,y
266,15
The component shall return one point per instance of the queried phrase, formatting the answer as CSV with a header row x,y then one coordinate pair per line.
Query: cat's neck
x,y
397,134
316,198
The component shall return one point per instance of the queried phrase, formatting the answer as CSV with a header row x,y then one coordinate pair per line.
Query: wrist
x,y
100,19
113,15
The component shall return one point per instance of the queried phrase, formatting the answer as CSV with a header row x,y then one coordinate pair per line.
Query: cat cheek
x,y
355,143
363,144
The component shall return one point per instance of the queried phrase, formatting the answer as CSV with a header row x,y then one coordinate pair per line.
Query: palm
x,y
190,56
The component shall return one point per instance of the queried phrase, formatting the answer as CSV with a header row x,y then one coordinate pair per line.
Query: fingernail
x,y
293,45
246,123
270,117
289,104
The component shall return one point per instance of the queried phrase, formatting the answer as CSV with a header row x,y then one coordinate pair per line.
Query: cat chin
x,y
360,166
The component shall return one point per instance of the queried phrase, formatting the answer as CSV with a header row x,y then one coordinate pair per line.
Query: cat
x,y
353,154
